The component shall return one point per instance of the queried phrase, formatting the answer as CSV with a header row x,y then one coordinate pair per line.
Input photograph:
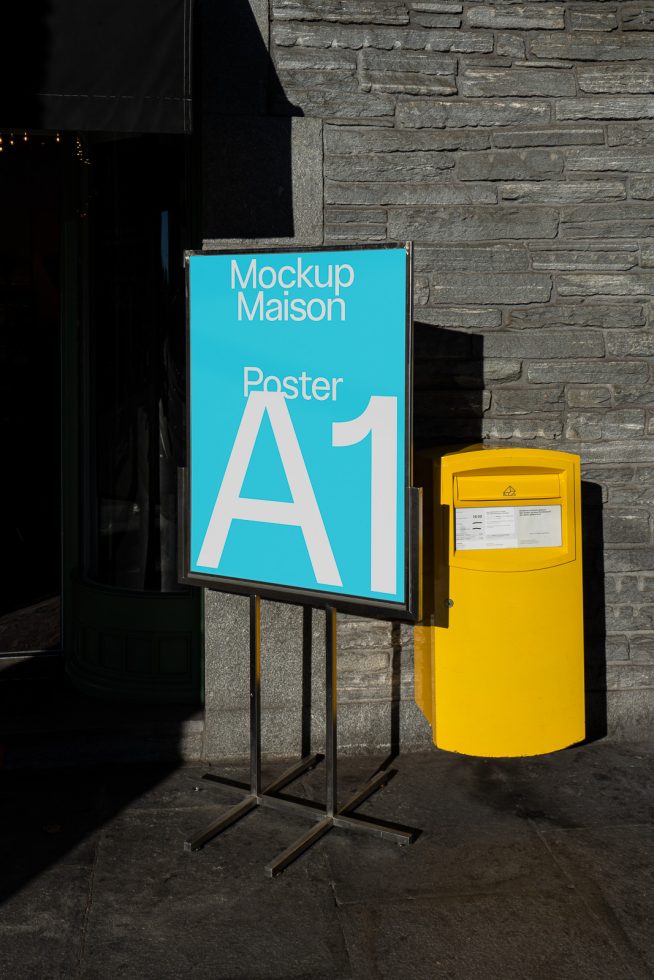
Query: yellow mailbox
x,y
499,652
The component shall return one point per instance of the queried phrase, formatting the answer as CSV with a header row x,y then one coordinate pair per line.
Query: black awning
x,y
97,65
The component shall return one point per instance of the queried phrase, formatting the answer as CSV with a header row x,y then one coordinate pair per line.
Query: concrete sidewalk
x,y
540,868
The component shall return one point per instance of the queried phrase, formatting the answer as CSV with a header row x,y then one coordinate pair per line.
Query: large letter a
x,y
303,512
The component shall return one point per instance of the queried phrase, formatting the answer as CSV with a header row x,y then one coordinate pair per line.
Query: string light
x,y
33,138
79,150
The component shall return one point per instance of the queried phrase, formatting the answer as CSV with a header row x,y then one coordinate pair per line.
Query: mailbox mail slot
x,y
499,660
507,486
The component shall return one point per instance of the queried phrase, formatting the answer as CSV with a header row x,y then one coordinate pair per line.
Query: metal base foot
x,y
326,815
344,819
251,801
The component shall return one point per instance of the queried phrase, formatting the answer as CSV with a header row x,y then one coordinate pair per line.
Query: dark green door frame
x,y
119,643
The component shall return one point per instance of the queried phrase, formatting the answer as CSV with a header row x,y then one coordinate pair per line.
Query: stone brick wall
x,y
514,144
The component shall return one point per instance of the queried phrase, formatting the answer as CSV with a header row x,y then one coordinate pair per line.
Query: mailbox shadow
x,y
448,408
594,611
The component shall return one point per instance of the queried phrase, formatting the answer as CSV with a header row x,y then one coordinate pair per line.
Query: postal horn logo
x,y
510,491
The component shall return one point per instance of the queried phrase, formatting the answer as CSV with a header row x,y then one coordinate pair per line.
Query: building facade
x,y
513,143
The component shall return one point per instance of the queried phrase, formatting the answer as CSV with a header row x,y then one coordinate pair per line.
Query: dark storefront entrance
x,y
31,178
96,211
135,632
92,324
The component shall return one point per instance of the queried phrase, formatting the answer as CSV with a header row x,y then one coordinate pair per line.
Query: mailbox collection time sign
x,y
299,413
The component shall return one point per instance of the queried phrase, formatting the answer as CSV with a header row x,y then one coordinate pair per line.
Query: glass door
x,y
135,633
31,169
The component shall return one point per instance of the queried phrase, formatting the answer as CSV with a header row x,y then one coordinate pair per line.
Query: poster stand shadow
x,y
325,816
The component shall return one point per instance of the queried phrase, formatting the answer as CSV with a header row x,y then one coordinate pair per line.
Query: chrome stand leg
x,y
333,815
327,816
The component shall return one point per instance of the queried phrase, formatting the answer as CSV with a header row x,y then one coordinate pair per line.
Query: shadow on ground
x,y
526,868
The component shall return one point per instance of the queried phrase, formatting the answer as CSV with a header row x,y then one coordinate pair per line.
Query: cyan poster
x,y
297,415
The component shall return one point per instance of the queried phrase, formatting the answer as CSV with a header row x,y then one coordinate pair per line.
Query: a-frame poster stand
x,y
325,816
300,386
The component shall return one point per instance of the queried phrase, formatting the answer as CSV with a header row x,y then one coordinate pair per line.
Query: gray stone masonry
x,y
513,143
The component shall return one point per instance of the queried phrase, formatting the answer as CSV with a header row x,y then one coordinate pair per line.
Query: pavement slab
x,y
365,873
482,936
614,866
41,925
533,869
209,914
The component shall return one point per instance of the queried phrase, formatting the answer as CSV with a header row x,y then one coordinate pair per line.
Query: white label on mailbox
x,y
486,528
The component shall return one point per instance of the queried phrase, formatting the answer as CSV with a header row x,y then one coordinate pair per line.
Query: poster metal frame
x,y
407,610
